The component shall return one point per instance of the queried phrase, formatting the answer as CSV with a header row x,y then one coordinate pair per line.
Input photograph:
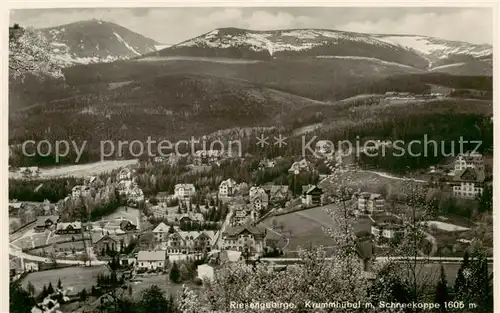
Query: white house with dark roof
x,y
69,228
103,242
311,195
151,260
468,183
183,242
45,222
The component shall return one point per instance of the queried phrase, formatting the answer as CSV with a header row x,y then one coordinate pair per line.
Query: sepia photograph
x,y
250,159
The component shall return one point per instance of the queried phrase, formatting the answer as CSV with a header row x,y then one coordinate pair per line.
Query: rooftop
x,y
151,256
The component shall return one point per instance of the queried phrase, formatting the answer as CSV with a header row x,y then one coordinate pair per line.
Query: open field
x,y
22,233
447,226
71,277
30,239
112,222
304,228
78,170
199,59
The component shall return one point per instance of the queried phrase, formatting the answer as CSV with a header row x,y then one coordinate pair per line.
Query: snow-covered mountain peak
x,y
412,50
93,41
275,40
435,47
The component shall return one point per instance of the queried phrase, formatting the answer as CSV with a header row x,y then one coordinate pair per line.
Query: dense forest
x,y
39,190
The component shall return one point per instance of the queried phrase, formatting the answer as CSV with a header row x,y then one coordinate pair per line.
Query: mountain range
x,y
121,85
96,41
422,52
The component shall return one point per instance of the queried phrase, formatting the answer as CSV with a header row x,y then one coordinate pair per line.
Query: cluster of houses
x,y
246,204
171,243
162,212
207,157
22,213
175,241
341,156
467,178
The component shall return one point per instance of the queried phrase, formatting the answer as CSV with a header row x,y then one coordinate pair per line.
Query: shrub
x,y
197,281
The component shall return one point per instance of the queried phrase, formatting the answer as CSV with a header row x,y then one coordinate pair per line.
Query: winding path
x,y
385,175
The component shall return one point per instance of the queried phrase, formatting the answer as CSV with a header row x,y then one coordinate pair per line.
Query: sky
x,y
173,25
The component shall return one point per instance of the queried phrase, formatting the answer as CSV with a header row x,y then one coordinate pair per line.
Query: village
x,y
150,234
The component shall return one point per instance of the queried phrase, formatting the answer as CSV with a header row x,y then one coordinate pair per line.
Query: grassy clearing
x,y
71,277
367,181
304,228
161,281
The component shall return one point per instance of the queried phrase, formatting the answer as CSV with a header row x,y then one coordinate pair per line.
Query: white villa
x,y
227,188
184,191
369,202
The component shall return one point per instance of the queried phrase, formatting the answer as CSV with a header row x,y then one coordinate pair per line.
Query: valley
x,y
238,164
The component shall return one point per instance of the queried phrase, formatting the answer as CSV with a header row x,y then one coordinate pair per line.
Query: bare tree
x,y
29,53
